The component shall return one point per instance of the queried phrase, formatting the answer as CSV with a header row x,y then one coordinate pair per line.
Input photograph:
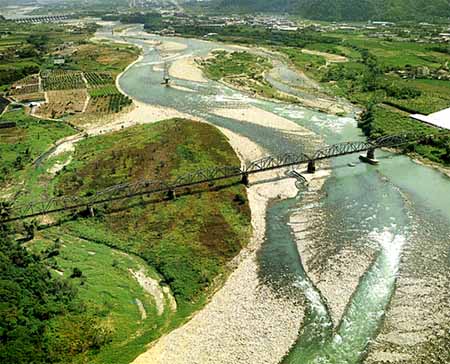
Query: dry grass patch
x,y
61,103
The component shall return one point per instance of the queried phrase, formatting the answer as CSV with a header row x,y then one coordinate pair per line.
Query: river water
x,y
367,208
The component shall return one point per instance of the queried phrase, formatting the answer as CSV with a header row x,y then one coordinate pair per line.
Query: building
x,y
59,61
440,119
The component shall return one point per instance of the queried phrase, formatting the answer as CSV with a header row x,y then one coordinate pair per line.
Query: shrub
x,y
76,273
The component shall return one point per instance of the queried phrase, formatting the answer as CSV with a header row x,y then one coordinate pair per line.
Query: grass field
x,y
241,69
110,293
20,145
186,243
306,62
397,54
102,57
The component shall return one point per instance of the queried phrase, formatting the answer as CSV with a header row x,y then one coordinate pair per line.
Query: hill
x,y
347,9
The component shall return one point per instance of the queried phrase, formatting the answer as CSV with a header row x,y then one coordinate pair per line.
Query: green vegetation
x,y
63,80
186,243
335,10
399,77
33,303
95,79
241,69
107,99
370,80
102,57
308,62
378,121
86,65
22,144
99,313
104,91
189,240
25,49
109,294
225,64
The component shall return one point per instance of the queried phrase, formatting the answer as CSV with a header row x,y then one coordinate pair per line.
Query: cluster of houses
x,y
424,72
268,22
421,33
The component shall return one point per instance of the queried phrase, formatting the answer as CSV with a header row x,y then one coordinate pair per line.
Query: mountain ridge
x,y
350,10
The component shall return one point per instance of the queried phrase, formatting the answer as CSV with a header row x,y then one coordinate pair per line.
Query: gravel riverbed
x,y
245,322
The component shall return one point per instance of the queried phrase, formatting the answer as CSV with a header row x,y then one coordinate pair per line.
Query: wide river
x,y
367,208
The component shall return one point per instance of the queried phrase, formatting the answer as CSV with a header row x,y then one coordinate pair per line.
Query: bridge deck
x,y
145,187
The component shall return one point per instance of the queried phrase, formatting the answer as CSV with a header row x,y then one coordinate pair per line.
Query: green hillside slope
x,y
347,9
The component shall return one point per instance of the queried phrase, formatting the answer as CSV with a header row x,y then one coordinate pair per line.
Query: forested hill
x,y
347,9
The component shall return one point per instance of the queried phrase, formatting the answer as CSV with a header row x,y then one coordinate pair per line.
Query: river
x,y
387,225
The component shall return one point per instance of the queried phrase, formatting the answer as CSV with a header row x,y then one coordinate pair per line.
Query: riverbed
x,y
353,269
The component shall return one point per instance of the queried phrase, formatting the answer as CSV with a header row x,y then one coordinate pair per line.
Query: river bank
x,y
245,321
188,70
230,328
361,203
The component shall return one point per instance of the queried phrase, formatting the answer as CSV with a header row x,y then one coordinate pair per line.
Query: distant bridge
x,y
204,176
41,19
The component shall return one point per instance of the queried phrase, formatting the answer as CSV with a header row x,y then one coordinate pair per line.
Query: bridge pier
x,y
311,166
171,195
370,157
245,180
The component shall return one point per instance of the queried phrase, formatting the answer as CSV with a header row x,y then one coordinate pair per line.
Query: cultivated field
x,y
71,92
62,103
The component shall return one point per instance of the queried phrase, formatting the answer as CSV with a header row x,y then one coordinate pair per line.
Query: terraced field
x,y
95,79
66,93
63,80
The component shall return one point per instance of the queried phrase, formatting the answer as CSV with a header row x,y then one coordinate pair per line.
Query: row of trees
x,y
11,74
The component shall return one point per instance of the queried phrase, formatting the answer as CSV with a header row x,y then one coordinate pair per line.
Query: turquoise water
x,y
366,207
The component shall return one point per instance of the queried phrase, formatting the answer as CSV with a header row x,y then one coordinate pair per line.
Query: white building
x,y
441,119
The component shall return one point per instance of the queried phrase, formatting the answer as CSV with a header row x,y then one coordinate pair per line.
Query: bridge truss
x,y
10,213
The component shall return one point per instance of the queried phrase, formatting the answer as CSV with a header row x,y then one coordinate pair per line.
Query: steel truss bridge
x,y
10,213
42,19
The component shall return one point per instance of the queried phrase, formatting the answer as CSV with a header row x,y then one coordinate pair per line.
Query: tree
x,y
446,156
5,213
30,229
76,273
30,298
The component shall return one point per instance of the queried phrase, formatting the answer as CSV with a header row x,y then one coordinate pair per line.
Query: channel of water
x,y
365,206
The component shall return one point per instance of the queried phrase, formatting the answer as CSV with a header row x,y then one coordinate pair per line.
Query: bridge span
x,y
41,19
12,212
